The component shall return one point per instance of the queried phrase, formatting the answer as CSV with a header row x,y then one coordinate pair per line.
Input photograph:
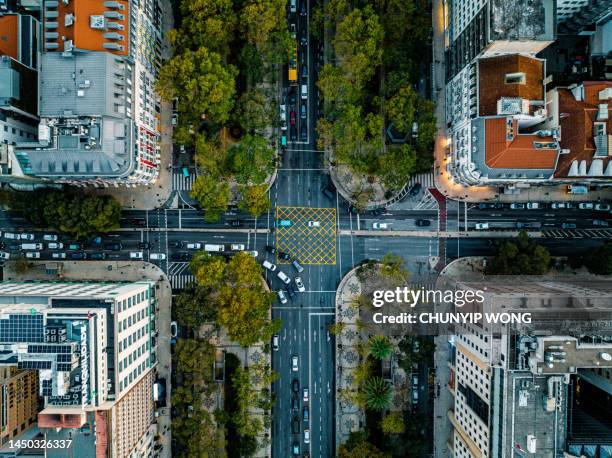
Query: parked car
x,y
568,226
305,395
10,236
144,245
558,205
74,246
380,226
415,381
484,205
173,329
4,255
415,397
268,265
50,238
300,285
58,255
585,205
422,222
482,226
33,254
78,255
599,222
303,111
304,132
517,206
157,256
237,246
176,244
297,266
275,342
55,246
307,436
533,205
281,297
194,246
135,254
284,278
602,207
113,246
97,256
26,236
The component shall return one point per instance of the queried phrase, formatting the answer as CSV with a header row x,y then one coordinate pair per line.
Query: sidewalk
x,y
121,271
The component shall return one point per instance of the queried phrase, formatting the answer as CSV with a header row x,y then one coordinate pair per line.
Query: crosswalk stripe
x,y
181,182
181,281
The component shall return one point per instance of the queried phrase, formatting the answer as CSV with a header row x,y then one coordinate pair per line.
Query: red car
x,y
292,118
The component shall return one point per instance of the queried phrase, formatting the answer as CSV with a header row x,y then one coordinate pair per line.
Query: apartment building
x,y
93,346
519,390
18,401
100,122
506,129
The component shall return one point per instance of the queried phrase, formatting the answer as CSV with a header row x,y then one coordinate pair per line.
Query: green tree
x,y
214,196
359,447
376,394
393,423
380,347
210,155
358,44
259,18
251,160
252,111
397,165
394,268
194,361
400,109
205,86
599,260
255,200
251,64
206,23
520,256
209,271
193,307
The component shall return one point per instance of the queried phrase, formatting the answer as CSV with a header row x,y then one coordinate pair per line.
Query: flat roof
x,y
9,35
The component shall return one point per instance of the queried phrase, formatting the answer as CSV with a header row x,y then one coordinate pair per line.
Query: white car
x,y
55,246
481,226
25,236
194,246
173,329
237,246
135,254
268,265
4,255
307,436
33,254
305,397
253,253
50,238
294,363
275,342
157,256
58,255
282,297
558,205
533,205
602,207
10,236
380,226
314,224
283,277
299,284
585,206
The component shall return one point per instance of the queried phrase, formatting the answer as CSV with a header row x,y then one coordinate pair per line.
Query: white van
x,y
194,246
304,91
211,247
157,256
283,277
237,246
31,246
268,265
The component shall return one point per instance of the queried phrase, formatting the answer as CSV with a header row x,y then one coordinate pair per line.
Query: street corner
x,y
307,234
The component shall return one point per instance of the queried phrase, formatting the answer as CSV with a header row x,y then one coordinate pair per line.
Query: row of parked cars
x,y
538,205
295,409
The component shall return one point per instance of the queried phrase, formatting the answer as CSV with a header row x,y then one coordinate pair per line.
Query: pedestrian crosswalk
x,y
181,182
181,281
426,180
578,233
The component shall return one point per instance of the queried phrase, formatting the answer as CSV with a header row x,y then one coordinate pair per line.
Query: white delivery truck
x,y
212,247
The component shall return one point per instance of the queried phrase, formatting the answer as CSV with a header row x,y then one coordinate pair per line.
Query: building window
x,y
515,78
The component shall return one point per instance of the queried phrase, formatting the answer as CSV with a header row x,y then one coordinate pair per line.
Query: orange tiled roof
x,y
82,34
576,121
492,80
9,33
518,153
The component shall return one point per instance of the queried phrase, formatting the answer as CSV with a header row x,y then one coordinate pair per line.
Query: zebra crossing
x,y
181,182
180,277
578,233
424,201
426,180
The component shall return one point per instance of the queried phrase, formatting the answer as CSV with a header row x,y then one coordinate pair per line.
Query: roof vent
x,y
602,113
96,22
68,20
605,94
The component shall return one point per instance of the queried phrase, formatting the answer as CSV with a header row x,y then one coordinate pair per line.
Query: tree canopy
x,y
214,196
520,256
255,199
251,160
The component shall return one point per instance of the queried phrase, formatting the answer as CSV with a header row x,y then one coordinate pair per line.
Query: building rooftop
x,y
513,76
522,19
94,25
9,38
506,148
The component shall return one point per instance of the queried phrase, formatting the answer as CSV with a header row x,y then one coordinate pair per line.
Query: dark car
x,y
293,134
484,206
354,210
78,255
292,98
290,292
304,71
304,40
422,222
235,223
295,404
138,221
74,246
179,256
303,112
305,414
270,249
304,132
14,246
144,245
415,189
303,11
295,426
176,244
97,256
295,385
113,256
284,256
378,211
113,246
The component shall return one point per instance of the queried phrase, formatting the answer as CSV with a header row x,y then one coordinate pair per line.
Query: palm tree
x,y
377,394
380,347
